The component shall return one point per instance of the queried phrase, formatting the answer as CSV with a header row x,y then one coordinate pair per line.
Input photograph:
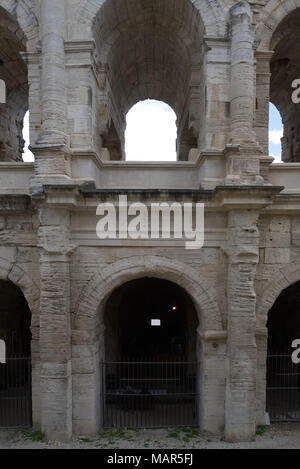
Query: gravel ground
x,y
280,436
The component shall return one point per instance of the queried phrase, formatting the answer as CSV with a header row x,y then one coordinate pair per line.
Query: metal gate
x,y
149,394
283,388
15,392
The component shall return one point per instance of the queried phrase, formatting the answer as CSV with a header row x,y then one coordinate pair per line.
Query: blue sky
x,y
275,134
151,133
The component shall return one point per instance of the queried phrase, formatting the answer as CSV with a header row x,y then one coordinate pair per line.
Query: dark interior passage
x,y
284,320
150,364
151,319
15,374
15,320
283,375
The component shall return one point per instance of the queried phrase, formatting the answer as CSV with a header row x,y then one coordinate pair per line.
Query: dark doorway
x,y
151,319
150,371
15,374
283,375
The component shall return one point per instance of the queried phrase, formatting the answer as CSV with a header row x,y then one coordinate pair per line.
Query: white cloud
x,y
27,155
151,132
275,136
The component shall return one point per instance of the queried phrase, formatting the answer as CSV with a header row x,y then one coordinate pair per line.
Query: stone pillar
x,y
55,328
218,91
263,76
261,377
53,99
242,73
243,251
51,148
211,380
242,151
88,355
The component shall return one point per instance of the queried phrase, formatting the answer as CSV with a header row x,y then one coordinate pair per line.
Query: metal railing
x,y
15,392
149,394
283,388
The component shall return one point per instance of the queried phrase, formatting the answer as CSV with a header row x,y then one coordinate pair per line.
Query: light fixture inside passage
x,y
155,322
174,308
151,132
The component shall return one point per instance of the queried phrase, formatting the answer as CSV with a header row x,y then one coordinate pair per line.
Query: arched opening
x,y
285,66
283,375
151,371
151,132
15,374
13,71
150,50
275,133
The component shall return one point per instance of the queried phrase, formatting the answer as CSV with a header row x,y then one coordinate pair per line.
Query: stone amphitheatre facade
x,y
78,66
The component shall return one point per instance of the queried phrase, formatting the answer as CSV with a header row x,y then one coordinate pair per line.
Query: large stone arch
x,y
22,12
106,280
269,19
88,337
283,279
11,271
212,14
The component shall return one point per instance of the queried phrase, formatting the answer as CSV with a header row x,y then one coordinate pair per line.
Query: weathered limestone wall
x,y
241,347
85,63
55,323
279,267
19,264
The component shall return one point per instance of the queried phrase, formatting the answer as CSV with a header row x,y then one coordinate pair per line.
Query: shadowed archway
x,y
151,375
283,373
15,373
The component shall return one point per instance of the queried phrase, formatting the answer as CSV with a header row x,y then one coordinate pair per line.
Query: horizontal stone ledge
x,y
15,203
213,336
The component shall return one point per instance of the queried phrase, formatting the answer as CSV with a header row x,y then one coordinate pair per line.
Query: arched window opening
x,y
285,66
28,156
158,54
275,134
13,71
151,132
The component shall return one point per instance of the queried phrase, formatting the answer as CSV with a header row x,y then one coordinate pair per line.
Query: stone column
x,y
211,379
263,98
51,148
55,328
243,251
53,99
261,377
242,73
218,91
242,151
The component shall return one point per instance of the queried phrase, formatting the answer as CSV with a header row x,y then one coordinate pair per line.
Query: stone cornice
x,y
246,196
79,46
15,203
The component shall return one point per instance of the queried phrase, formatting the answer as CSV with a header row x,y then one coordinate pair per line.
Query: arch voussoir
x,y
283,279
101,286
